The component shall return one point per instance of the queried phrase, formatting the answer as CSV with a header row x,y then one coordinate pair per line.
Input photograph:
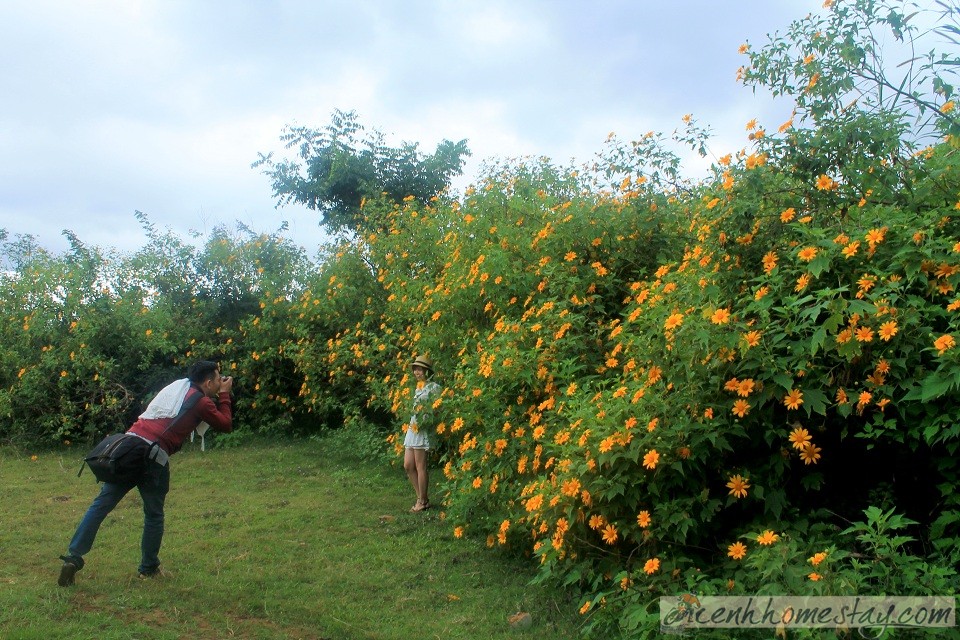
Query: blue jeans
x,y
153,487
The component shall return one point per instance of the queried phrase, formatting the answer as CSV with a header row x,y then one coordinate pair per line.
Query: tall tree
x,y
342,164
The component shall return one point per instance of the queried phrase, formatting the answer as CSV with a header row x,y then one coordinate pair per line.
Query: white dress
x,y
422,404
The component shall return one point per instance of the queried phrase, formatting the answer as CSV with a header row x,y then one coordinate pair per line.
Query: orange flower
x,y
799,437
597,521
534,503
741,408
814,576
825,182
610,534
654,375
802,282
570,487
864,334
810,453
817,558
738,486
755,160
752,338
875,236
807,254
745,388
767,538
788,215
794,399
731,385
673,321
888,330
737,550
944,343
720,316
651,566
650,459
643,519
769,262
851,249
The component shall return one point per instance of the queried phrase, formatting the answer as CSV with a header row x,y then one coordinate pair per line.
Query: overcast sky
x,y
113,106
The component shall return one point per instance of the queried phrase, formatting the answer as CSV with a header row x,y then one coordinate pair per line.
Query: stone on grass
x,y
520,621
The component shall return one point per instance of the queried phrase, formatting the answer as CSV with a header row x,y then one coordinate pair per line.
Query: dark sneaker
x,y
67,571
156,573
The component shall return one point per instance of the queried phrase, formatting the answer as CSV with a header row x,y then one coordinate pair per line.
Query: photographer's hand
x,y
226,384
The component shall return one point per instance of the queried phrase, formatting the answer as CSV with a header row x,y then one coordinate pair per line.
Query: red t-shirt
x,y
219,415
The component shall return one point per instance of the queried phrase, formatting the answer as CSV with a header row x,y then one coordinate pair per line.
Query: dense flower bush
x,y
89,336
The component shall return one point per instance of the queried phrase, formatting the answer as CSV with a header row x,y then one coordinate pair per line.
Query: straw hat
x,y
423,361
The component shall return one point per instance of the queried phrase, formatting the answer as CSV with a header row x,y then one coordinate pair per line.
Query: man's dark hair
x,y
201,371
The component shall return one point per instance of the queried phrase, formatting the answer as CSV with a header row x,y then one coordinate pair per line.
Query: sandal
x,y
422,505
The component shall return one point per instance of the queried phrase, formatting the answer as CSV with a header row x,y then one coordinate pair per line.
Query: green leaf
x,y
774,503
933,387
833,323
819,336
812,481
815,401
819,264
784,380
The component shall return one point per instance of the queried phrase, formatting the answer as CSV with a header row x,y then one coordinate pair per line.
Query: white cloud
x,y
113,106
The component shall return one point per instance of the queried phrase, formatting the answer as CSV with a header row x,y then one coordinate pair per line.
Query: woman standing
x,y
416,443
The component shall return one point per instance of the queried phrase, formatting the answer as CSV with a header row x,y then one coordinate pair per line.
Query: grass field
x,y
267,540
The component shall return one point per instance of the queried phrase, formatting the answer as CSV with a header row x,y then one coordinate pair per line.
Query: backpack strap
x,y
156,451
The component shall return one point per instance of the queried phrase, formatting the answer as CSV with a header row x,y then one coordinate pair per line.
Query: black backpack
x,y
119,458
122,458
